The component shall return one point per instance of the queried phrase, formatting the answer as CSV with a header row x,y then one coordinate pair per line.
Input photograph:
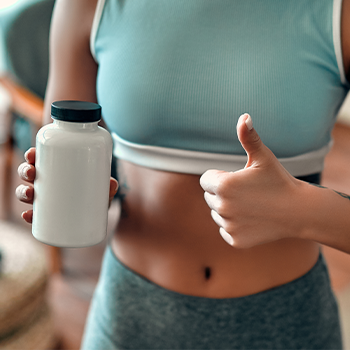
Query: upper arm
x,y
345,36
72,69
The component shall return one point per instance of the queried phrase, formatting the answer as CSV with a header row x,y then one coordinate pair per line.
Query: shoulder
x,y
345,36
75,17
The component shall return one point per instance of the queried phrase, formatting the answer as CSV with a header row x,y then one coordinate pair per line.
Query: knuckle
x,y
222,208
240,239
209,199
30,153
23,170
20,169
229,227
255,139
224,185
243,242
215,216
226,208
237,242
21,192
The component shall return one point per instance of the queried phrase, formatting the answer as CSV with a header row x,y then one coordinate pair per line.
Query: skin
x,y
168,232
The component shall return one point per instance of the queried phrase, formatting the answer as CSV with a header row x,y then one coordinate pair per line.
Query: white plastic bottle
x,y
73,167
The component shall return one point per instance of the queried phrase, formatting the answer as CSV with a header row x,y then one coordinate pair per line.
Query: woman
x,y
172,79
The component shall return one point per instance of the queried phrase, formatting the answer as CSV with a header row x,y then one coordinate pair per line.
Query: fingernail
x,y
21,192
249,122
23,170
115,188
26,156
226,236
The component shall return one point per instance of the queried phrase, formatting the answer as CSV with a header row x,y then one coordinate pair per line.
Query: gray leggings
x,y
130,312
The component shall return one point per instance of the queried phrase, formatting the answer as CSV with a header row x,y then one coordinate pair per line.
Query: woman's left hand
x,y
255,205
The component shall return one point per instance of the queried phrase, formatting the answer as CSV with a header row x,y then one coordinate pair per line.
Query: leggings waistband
x,y
131,312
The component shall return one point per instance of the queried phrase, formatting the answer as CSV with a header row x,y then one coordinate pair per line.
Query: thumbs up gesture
x,y
257,204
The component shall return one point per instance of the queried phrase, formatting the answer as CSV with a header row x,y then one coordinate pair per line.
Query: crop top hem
x,y
194,162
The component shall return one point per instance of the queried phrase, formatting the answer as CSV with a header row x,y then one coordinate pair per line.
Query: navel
x,y
207,273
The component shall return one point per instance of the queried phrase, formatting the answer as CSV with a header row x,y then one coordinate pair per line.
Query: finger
x,y
30,156
28,216
247,135
25,194
226,236
217,218
26,172
250,139
210,180
211,200
113,188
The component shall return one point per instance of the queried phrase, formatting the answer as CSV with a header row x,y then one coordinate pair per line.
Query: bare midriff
x,y
167,235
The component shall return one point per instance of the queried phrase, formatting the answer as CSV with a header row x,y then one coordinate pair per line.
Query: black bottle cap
x,y
76,111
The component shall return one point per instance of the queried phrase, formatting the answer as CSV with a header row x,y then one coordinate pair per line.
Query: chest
x,y
181,77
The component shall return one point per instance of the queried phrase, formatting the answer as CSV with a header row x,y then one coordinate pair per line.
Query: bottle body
x,y
73,167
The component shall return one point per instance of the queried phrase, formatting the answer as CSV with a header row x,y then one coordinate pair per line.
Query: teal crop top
x,y
175,75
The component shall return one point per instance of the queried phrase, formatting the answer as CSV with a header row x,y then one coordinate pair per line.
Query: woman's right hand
x,y
25,192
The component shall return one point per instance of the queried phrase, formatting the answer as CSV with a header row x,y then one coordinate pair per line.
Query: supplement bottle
x,y
73,167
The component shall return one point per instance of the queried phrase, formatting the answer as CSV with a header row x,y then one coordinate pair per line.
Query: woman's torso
x,y
166,232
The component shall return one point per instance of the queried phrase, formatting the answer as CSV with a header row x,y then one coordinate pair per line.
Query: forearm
x,y
325,217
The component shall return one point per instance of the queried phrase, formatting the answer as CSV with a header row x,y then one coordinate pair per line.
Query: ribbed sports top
x,y
175,75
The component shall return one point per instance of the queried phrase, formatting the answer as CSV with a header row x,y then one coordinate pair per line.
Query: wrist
x,y
308,198
324,216
302,204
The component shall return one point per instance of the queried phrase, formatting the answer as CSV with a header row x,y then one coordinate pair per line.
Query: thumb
x,y
250,141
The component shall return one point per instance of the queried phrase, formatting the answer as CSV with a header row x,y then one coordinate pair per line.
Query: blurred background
x,y
45,292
